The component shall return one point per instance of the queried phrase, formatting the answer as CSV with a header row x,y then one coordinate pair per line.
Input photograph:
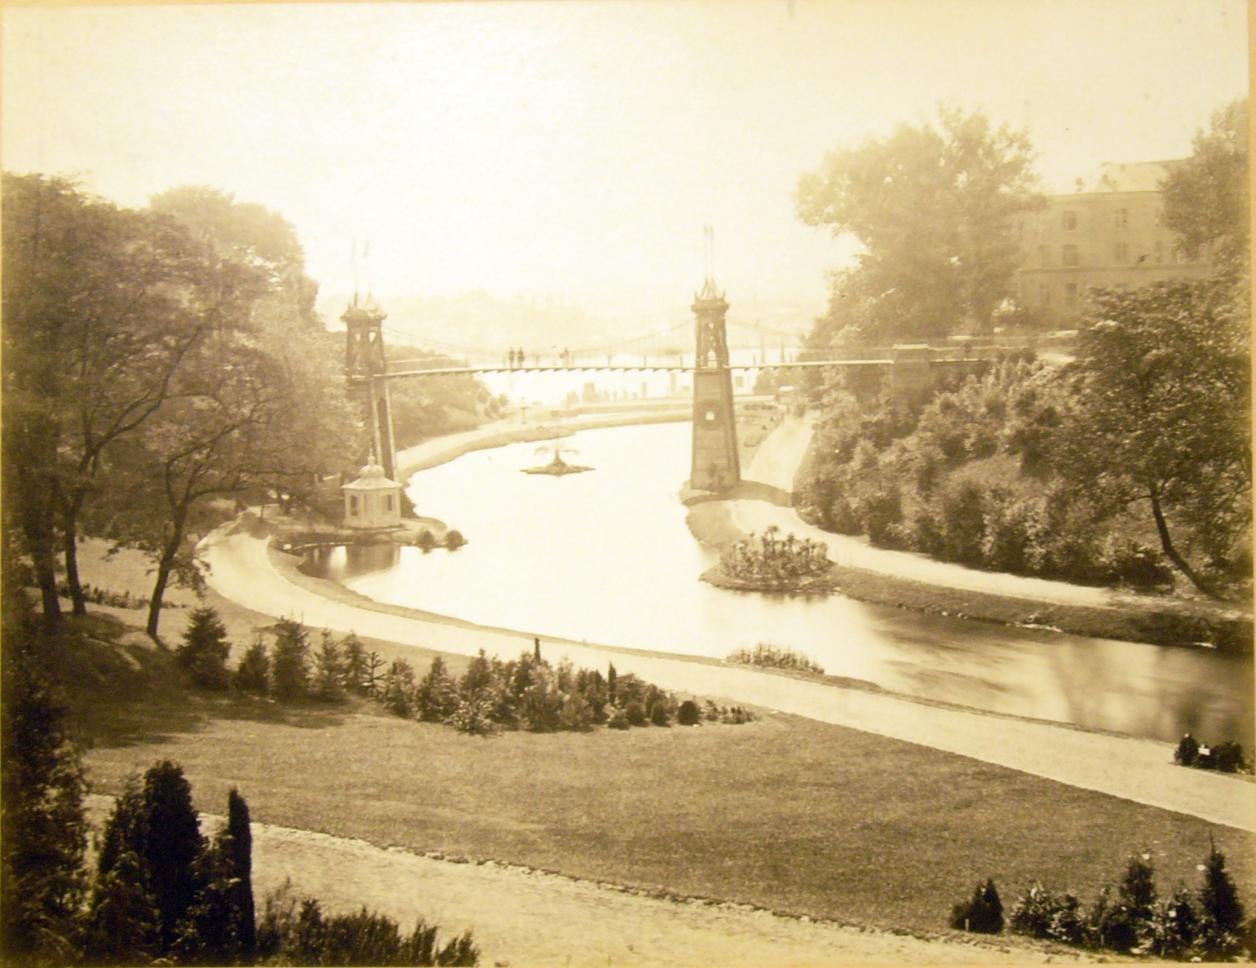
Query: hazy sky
x,y
575,150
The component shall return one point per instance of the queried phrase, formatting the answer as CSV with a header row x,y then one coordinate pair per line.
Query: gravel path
x,y
524,917
1136,769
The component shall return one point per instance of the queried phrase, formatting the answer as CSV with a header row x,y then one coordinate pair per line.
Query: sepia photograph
x,y
592,484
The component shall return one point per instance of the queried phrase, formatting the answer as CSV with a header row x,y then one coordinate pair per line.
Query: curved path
x,y
1135,769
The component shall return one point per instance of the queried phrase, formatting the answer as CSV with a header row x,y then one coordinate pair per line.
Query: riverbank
x,y
713,524
912,581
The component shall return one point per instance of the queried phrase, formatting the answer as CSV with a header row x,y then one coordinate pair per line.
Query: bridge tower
x,y
716,466
366,370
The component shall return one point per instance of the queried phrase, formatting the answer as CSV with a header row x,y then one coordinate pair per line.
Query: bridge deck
x,y
652,367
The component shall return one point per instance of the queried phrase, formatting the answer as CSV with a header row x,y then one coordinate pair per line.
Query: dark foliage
x,y
204,650
982,913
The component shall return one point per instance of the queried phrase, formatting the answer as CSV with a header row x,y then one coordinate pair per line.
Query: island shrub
x,y
1225,757
454,539
771,560
980,914
204,650
426,540
767,655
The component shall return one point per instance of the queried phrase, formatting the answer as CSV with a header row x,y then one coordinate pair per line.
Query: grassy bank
x,y
785,813
1161,623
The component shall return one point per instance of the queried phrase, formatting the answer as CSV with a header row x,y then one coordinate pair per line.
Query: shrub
x,y
398,694
1228,757
1041,914
688,714
354,673
635,713
576,712
618,719
426,540
204,651
777,657
454,539
982,913
329,670
472,716
436,697
253,672
1173,926
660,715
1187,751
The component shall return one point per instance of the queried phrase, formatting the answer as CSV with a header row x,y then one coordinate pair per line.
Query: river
x,y
606,557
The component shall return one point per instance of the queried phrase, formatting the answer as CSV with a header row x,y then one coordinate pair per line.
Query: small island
x,y
769,562
557,467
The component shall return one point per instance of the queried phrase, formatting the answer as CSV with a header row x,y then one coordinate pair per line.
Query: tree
x,y
355,665
43,832
290,663
220,927
94,324
170,846
398,693
982,914
253,672
205,649
1206,198
1221,910
436,696
329,670
934,206
1162,391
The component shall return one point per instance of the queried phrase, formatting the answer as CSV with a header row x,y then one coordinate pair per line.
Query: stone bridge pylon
x,y
716,466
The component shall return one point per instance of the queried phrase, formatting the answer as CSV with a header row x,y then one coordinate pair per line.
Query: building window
x,y
1121,253
1159,251
1121,218
387,502
1070,294
1068,255
1044,295
353,505
1070,221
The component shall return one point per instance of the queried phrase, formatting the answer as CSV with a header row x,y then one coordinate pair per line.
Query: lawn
x,y
785,813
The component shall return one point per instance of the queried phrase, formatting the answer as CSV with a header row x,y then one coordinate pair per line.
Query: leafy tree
x,y
101,308
1162,389
290,672
1206,198
253,672
43,833
205,649
934,206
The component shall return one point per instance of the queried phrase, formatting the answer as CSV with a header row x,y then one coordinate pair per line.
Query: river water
x,y
606,557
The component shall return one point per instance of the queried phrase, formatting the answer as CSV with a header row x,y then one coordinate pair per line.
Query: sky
x,y
574,151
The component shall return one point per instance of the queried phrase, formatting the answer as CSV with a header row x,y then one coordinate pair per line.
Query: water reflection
x,y
607,557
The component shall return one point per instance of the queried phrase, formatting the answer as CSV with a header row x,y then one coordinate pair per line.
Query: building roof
x,y
370,478
1132,176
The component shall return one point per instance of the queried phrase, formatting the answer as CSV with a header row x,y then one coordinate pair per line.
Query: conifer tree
x,y
170,846
436,697
43,833
290,672
205,649
329,670
374,663
355,665
124,925
1221,910
253,672
399,689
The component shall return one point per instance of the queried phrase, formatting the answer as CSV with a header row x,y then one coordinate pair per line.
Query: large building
x,y
1109,235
